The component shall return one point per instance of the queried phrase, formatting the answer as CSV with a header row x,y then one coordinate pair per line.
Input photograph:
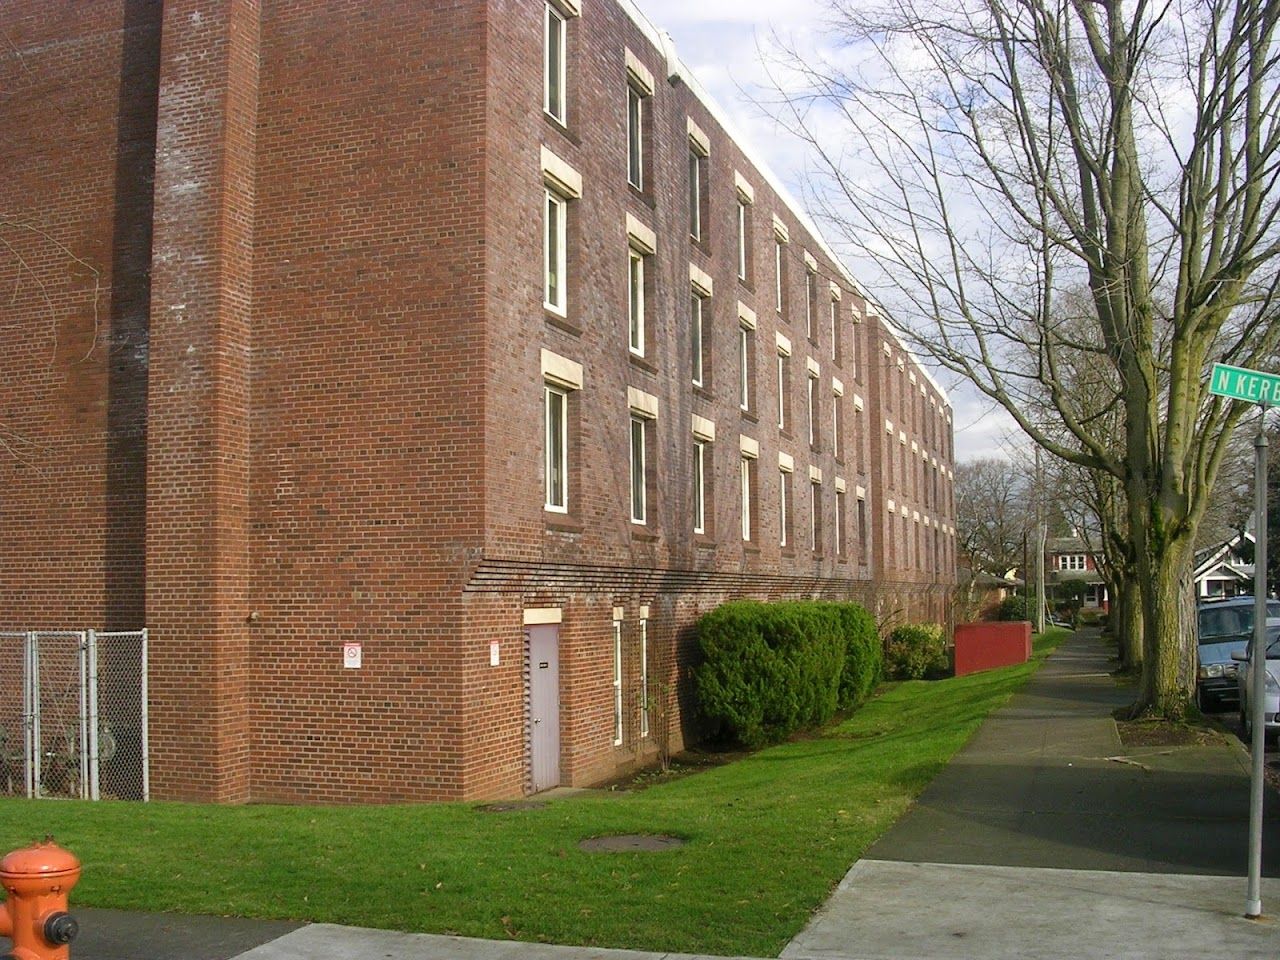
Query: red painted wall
x,y
985,646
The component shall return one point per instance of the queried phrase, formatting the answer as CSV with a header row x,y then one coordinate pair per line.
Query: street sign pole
x,y
1258,664
1255,386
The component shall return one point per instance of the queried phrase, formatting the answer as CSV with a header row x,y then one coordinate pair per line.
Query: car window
x,y
1233,621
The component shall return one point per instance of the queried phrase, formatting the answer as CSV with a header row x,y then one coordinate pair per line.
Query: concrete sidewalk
x,y
1044,839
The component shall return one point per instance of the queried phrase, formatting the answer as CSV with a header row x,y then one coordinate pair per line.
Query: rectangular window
x,y
742,239
835,330
815,525
695,335
782,391
639,504
778,278
840,523
744,368
862,531
617,683
557,464
635,138
784,481
837,425
635,300
810,294
744,477
644,678
812,404
553,101
699,486
695,194
1074,561
555,294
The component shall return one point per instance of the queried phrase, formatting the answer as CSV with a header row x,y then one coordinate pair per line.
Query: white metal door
x,y
544,705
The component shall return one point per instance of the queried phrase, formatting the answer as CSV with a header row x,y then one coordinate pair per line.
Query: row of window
x,y
556,404
640,87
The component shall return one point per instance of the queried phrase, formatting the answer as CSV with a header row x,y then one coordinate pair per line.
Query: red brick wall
x,y
368,402
343,415
78,118
199,400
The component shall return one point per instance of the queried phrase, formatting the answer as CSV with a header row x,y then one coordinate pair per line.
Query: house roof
x,y
1210,557
1067,545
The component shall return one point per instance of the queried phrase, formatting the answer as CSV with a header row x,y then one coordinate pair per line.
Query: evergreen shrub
x,y
772,669
915,651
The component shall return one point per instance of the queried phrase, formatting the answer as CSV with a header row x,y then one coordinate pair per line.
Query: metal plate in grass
x,y
631,843
512,806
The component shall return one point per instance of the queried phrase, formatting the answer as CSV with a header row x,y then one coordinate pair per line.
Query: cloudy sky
x,y
722,41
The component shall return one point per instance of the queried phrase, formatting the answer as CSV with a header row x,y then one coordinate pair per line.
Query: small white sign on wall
x,y
352,656
494,650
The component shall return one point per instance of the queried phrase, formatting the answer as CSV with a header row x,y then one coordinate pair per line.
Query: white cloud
x,y
722,42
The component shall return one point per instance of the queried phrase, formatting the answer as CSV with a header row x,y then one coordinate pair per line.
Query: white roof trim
x,y
678,69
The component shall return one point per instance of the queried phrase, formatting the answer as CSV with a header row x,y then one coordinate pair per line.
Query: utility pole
x,y
1041,535
1255,386
1258,666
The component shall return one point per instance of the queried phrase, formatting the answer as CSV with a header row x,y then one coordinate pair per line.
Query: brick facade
x,y
277,348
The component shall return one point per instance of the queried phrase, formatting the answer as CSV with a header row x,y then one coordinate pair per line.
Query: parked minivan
x,y
1223,627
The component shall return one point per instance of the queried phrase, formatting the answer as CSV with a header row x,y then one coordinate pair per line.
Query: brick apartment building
x,y
459,329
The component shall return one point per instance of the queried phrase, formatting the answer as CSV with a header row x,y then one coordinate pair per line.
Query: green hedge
x,y
1014,608
772,669
915,651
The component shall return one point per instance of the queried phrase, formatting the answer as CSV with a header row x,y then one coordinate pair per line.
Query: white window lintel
x,y
698,139
642,404
701,280
640,236
561,371
561,177
638,75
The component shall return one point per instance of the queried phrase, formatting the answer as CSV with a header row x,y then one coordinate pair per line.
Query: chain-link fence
x,y
82,730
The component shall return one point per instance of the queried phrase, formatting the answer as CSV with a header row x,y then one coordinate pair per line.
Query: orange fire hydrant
x,y
34,915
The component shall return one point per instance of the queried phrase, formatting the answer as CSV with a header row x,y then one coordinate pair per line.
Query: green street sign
x,y
1252,386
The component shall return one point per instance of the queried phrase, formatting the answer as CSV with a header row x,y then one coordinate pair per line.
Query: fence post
x,y
83,748
28,713
146,737
93,715
37,743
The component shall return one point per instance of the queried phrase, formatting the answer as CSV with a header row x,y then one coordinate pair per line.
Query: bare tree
x,y
993,513
984,156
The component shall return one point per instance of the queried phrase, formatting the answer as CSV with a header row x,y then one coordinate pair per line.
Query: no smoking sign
x,y
352,655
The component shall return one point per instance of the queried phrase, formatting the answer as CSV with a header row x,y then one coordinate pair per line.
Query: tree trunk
x,y
1127,617
1168,608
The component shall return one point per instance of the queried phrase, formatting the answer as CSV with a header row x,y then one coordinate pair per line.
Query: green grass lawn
x,y
768,838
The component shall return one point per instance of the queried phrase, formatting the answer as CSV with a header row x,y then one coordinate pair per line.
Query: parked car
x,y
1271,705
1223,627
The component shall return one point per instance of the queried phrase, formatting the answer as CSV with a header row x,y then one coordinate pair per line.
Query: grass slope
x,y
768,838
